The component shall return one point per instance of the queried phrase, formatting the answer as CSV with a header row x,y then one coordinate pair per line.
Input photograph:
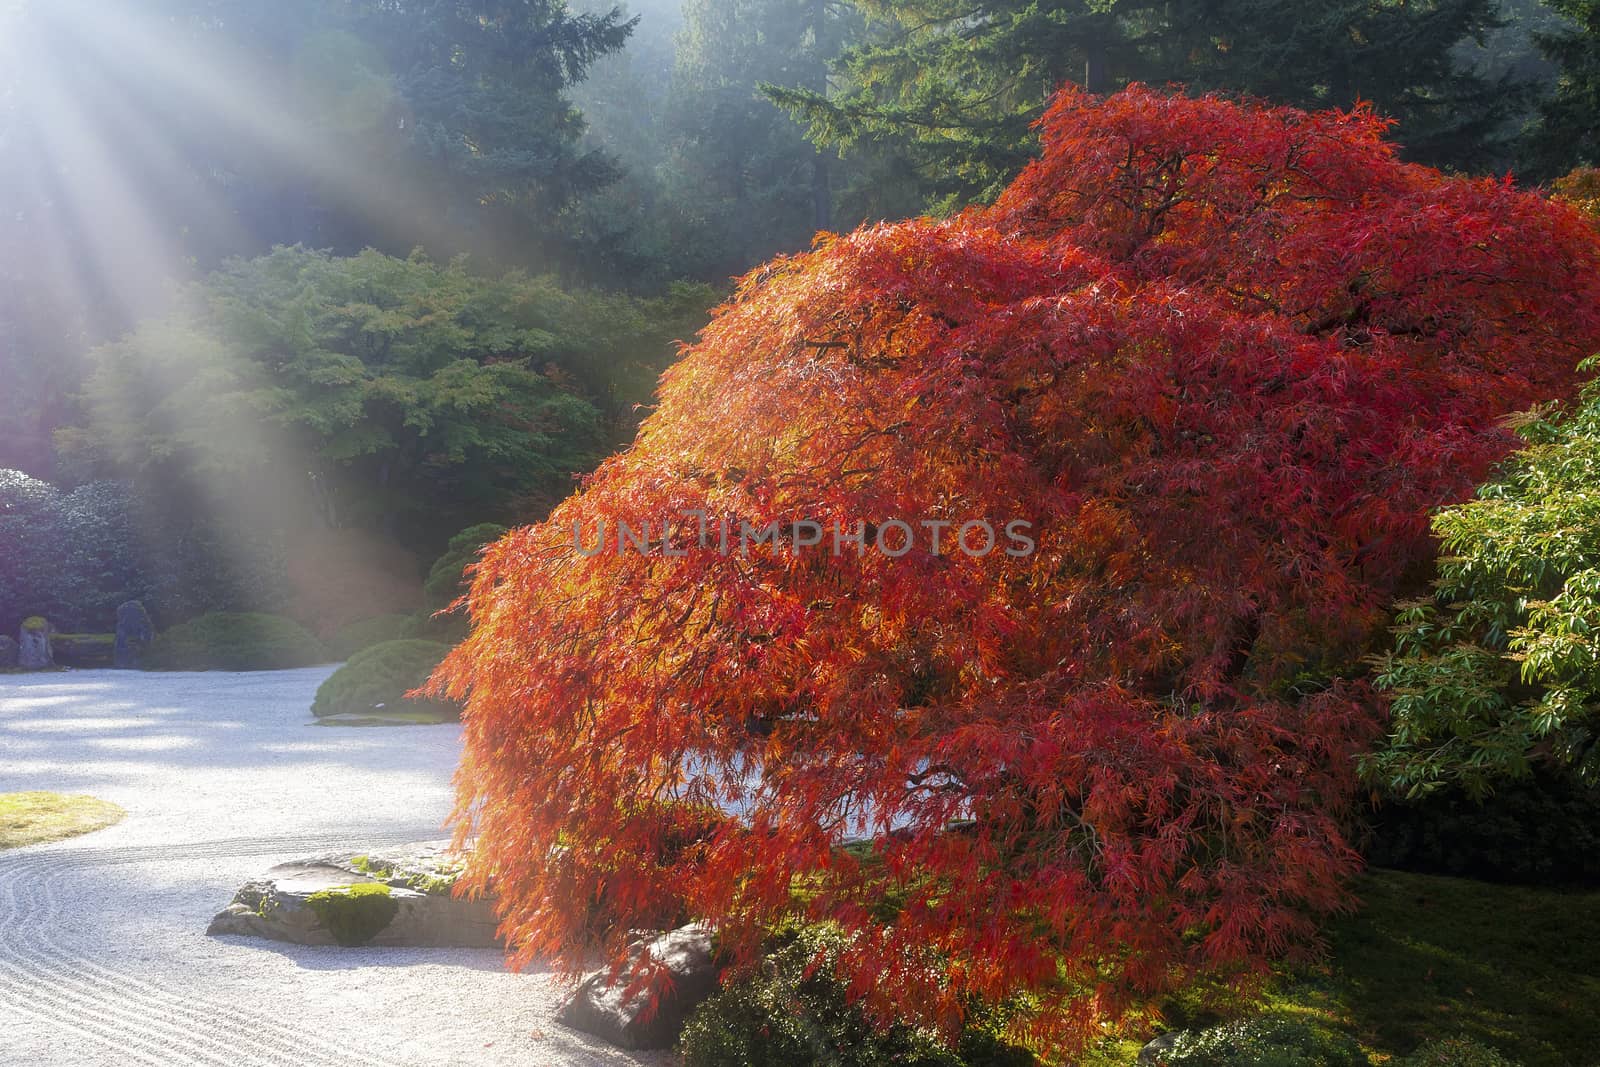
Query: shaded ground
x,y
103,957
1429,958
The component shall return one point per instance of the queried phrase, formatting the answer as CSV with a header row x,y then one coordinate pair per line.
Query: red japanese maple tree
x,y
1223,359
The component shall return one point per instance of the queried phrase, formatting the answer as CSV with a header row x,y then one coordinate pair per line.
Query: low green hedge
x,y
83,650
364,633
234,641
376,680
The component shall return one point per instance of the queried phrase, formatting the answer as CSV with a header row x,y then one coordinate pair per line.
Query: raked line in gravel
x,y
103,953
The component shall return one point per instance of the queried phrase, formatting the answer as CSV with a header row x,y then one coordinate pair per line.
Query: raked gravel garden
x,y
104,957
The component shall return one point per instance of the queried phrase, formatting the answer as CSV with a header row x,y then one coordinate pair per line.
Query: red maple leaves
x,y
1224,359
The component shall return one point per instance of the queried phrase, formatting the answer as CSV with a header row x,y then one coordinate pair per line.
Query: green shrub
x,y
1455,1052
364,633
449,629
1541,830
234,641
73,556
1265,1041
446,579
376,680
1498,672
794,1013
83,650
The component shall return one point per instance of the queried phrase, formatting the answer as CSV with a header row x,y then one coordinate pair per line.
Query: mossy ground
x,y
1428,958
36,817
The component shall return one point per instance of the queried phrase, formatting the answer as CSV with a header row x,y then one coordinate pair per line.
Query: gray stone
x,y
1155,1051
8,653
599,1006
33,645
133,634
416,910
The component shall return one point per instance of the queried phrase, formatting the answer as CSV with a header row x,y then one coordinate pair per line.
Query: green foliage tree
x,y
447,578
481,84
1499,671
238,125
400,396
736,159
1568,131
141,138
956,87
719,178
70,556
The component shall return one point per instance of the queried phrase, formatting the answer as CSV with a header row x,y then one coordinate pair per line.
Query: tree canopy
x,y
402,396
1568,133
956,87
1222,360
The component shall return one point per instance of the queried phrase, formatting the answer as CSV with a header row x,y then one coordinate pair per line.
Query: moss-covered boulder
x,y
234,641
34,652
354,914
374,683
396,896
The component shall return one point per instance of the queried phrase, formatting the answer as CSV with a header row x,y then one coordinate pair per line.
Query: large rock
x,y
133,634
1158,1048
395,897
33,645
599,1006
8,653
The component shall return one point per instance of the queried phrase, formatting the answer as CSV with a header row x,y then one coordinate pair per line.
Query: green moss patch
x,y
1429,958
36,817
438,881
364,633
354,914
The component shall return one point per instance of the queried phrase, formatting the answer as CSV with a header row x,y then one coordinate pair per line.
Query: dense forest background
x,y
334,279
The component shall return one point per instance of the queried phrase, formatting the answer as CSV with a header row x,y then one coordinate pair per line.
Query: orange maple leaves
x,y
1224,359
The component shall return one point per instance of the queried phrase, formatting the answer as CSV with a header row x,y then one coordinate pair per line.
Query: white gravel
x,y
103,953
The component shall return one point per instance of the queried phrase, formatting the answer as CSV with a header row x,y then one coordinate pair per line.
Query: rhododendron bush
x,y
1222,361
